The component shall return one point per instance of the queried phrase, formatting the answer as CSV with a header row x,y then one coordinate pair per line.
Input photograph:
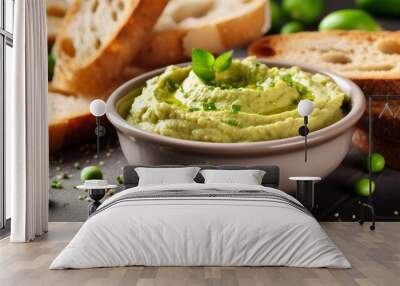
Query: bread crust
x,y
153,56
379,82
53,27
378,86
71,131
57,8
386,132
389,150
343,45
243,30
221,35
102,74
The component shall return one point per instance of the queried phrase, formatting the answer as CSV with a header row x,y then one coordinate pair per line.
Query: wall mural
x,y
235,102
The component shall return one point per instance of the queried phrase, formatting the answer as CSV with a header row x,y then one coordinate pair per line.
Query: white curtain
x,y
26,124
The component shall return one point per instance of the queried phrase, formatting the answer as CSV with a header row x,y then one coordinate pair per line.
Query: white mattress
x,y
200,231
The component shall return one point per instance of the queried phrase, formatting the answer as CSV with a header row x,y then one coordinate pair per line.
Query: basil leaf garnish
x,y
223,62
205,65
202,64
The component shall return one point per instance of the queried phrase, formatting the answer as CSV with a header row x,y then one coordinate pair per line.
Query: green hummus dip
x,y
247,102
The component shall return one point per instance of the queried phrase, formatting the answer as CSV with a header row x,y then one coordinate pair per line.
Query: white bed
x,y
246,225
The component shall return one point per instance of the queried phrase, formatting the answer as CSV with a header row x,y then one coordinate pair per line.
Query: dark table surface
x,y
335,197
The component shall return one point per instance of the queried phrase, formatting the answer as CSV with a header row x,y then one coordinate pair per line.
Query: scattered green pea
x,y
377,163
120,179
349,19
381,7
304,11
91,173
82,197
65,176
51,62
292,27
276,16
56,184
362,187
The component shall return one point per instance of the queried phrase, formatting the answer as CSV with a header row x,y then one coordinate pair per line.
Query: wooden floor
x,y
375,257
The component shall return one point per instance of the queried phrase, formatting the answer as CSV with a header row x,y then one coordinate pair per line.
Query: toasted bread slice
x,y
386,121
53,27
55,11
98,39
70,120
215,25
390,150
57,8
371,59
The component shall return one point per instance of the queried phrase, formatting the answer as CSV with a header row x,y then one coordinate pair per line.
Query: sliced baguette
x,y
389,150
386,132
98,39
215,25
57,8
53,27
70,121
55,11
371,59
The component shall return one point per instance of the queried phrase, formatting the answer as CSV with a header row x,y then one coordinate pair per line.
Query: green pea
x,y
276,16
377,163
362,187
77,166
51,62
56,184
292,27
380,7
91,173
349,19
120,179
304,11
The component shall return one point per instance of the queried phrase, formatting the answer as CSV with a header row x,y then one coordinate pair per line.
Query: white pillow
x,y
248,177
165,176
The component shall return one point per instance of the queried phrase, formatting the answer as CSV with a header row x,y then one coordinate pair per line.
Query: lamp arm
x,y
98,134
305,148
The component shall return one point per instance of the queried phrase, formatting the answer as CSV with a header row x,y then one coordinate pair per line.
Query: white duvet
x,y
192,231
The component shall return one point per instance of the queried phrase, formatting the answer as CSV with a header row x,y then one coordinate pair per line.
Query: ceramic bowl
x,y
327,147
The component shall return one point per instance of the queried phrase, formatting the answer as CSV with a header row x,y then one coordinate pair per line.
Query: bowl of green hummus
x,y
246,114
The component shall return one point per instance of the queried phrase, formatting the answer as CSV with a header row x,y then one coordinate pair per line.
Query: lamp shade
x,y
305,107
98,107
